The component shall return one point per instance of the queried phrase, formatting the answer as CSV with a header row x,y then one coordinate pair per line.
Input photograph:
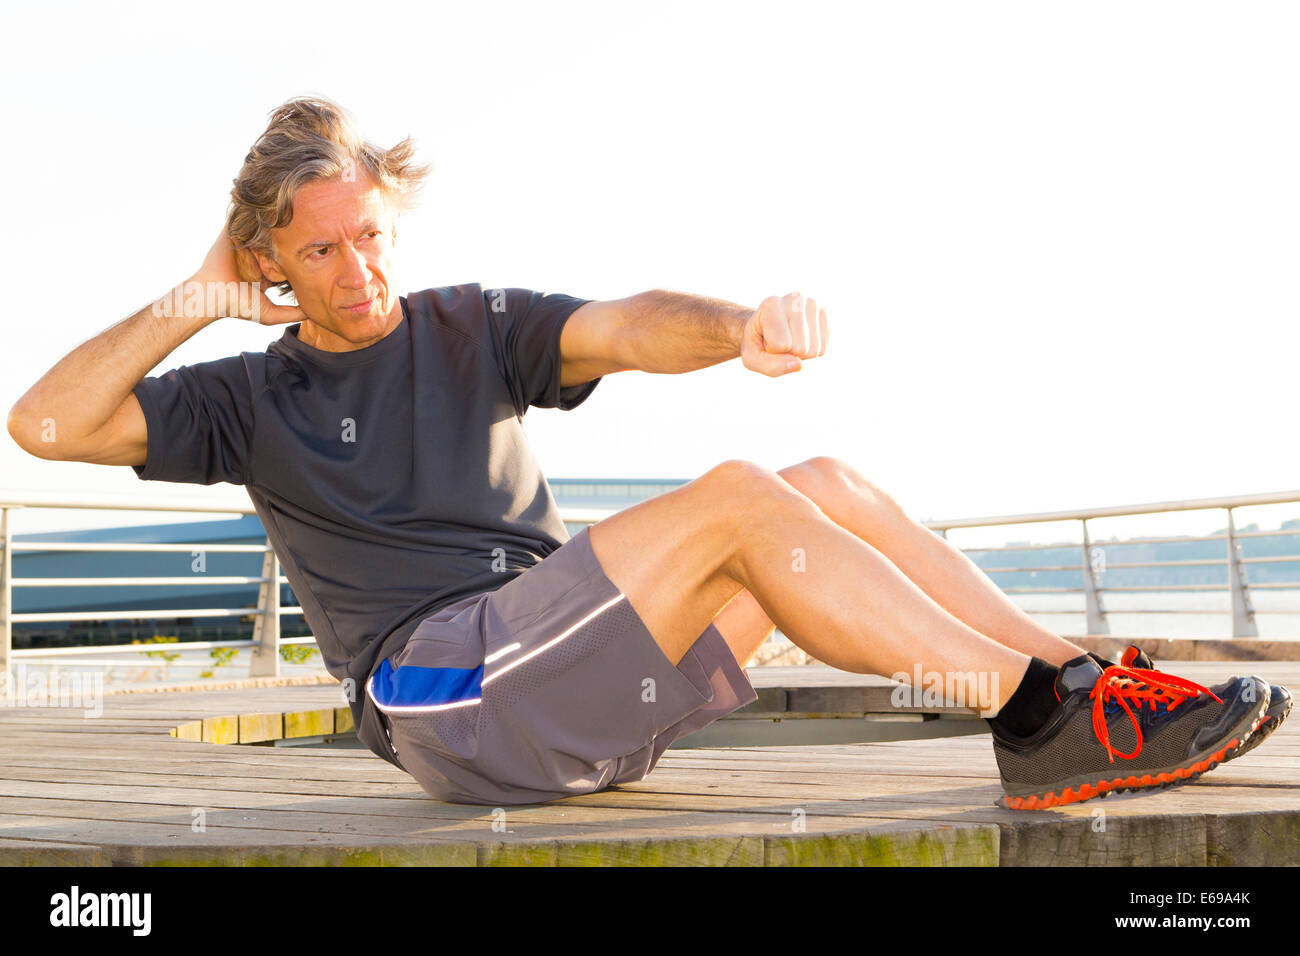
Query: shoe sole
x,y
1089,786
1263,730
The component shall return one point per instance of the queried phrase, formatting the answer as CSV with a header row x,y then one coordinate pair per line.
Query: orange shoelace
x,y
1143,685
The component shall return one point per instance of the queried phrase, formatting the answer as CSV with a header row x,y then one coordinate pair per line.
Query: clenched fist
x,y
781,333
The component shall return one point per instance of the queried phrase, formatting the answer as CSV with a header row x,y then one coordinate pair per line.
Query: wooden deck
x,y
120,789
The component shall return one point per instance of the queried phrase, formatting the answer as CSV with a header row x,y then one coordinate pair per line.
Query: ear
x,y
269,268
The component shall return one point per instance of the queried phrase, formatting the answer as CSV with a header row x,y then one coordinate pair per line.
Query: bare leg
x,y
683,555
949,577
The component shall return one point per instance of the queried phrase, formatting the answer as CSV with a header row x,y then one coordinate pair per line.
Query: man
x,y
496,659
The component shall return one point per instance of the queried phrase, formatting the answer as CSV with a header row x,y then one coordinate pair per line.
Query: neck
x,y
319,337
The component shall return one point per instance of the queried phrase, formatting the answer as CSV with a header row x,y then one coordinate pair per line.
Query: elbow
x,y
28,434
17,427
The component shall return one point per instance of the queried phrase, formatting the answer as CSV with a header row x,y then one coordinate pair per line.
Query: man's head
x,y
316,209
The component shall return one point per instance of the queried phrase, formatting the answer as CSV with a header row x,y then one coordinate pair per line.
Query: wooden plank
x,y
109,783
309,723
145,844
508,826
941,845
254,728
190,730
107,764
221,730
343,722
1264,838
389,853
1148,839
47,853
656,850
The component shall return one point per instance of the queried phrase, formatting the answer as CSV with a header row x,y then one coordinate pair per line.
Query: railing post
x,y
6,598
266,632
1243,615
1097,623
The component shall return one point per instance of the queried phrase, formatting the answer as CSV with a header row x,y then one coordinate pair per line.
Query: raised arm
x,y
674,332
83,408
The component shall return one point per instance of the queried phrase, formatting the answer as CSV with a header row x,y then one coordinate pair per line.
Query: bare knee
x,y
823,478
816,478
740,482
742,497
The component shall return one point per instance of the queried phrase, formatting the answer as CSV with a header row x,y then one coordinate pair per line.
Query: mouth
x,y
360,308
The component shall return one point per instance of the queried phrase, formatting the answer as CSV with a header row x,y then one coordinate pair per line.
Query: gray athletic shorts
x,y
547,687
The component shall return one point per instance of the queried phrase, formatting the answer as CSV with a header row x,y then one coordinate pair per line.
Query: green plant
x,y
221,656
159,639
297,653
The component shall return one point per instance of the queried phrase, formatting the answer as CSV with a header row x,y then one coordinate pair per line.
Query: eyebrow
x,y
366,226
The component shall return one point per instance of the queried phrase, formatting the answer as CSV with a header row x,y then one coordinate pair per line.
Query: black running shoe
x,y
1165,730
1279,705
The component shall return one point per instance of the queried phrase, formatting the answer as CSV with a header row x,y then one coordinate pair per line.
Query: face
x,y
337,253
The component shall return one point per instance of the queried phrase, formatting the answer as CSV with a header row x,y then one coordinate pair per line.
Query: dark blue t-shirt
x,y
391,480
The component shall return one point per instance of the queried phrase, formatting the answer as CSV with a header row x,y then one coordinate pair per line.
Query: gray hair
x,y
309,139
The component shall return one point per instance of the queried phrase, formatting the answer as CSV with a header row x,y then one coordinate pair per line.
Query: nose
x,y
355,269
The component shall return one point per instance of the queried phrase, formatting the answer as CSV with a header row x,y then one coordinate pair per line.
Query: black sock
x,y
1033,702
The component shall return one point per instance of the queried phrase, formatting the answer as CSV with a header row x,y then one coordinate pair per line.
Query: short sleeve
x,y
199,421
526,329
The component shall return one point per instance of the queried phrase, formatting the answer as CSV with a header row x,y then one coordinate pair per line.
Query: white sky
x,y
1057,243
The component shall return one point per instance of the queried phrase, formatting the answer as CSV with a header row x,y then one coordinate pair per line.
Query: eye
x,y
318,249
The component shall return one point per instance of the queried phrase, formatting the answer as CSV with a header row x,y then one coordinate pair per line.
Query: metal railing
x,y
265,642
1243,611
267,639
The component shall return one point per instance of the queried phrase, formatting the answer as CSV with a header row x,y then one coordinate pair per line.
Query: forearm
x,y
80,393
674,332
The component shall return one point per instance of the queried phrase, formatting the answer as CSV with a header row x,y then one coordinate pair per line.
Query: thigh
x,y
670,554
